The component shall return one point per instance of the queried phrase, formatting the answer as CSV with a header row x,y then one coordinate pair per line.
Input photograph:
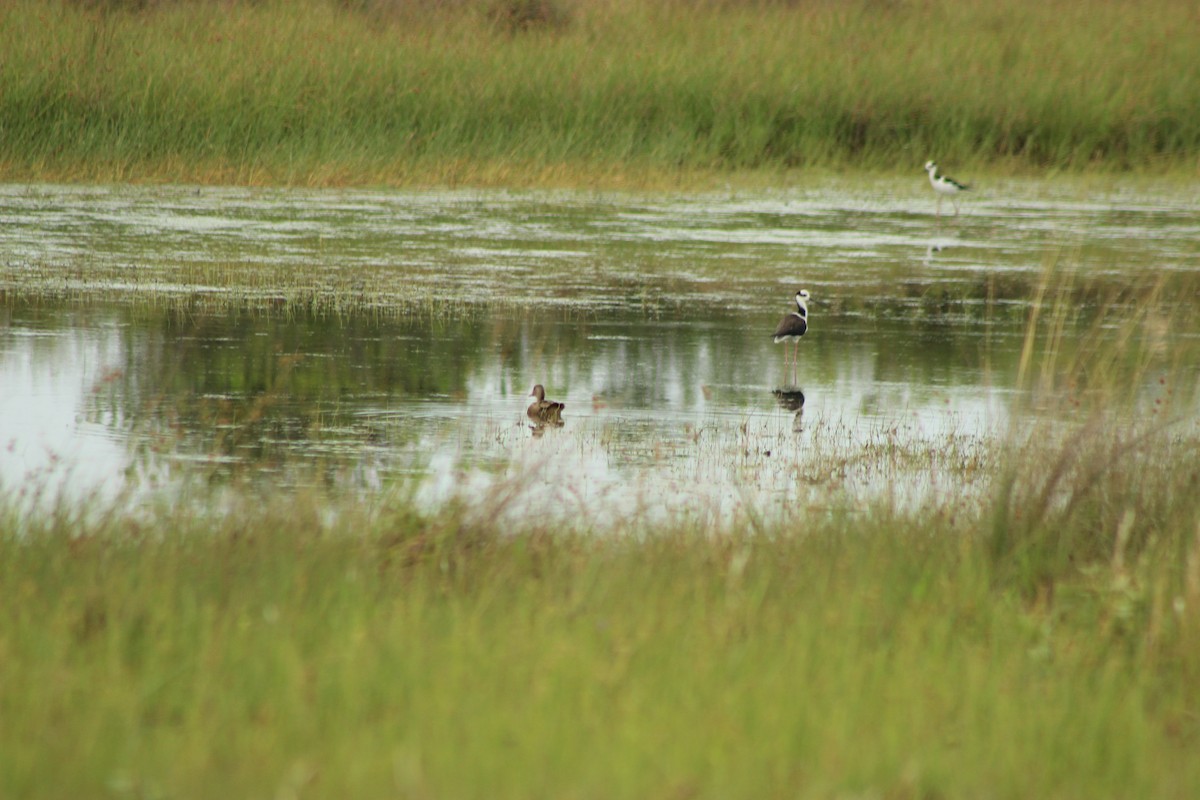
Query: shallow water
x,y
368,342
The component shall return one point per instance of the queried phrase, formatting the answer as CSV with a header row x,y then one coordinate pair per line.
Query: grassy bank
x,y
1046,644
615,92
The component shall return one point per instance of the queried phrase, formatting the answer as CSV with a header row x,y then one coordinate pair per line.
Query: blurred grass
x,y
555,91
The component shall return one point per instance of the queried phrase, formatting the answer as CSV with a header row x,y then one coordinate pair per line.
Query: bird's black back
x,y
791,325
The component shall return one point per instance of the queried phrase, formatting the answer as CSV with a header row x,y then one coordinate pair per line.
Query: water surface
x,y
360,343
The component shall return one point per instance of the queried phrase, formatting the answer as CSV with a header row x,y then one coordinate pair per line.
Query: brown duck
x,y
543,410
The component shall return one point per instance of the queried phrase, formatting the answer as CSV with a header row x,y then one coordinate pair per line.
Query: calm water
x,y
363,343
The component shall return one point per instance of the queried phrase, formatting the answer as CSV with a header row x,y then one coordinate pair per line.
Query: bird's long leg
x,y
939,205
795,358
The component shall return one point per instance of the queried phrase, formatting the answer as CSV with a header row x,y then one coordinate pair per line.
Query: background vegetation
x,y
559,91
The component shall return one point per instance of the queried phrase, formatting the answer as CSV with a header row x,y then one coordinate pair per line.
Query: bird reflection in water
x,y
792,399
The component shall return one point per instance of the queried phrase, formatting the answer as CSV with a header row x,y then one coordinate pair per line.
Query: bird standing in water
x,y
791,328
944,185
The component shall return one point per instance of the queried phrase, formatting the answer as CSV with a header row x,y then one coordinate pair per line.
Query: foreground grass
x,y
613,92
1027,650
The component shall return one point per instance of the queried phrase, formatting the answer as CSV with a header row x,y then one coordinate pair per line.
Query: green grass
x,y
615,92
1024,649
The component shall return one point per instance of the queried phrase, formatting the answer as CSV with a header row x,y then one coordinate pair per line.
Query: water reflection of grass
x,y
276,647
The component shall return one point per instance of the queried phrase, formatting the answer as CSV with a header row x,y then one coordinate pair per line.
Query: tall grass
x,y
272,651
318,92
1101,492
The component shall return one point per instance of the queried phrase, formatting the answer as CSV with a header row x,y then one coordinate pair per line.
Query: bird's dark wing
x,y
791,325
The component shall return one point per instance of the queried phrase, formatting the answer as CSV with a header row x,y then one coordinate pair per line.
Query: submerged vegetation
x,y
558,92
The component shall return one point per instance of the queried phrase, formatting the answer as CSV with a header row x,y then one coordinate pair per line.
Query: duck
x,y
542,410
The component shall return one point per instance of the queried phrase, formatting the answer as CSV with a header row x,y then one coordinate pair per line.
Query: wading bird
x,y
542,410
791,328
944,185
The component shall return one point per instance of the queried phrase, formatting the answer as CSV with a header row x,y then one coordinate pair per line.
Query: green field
x,y
556,92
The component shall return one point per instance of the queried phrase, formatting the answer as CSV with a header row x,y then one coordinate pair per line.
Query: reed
x,y
1085,499
548,92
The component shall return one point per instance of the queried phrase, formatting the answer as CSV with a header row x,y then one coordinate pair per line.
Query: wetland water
x,y
360,342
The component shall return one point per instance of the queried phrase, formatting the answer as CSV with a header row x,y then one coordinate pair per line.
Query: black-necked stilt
x,y
943,184
543,410
791,328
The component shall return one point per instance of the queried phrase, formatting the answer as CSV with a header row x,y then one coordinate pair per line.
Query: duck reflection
x,y
538,429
